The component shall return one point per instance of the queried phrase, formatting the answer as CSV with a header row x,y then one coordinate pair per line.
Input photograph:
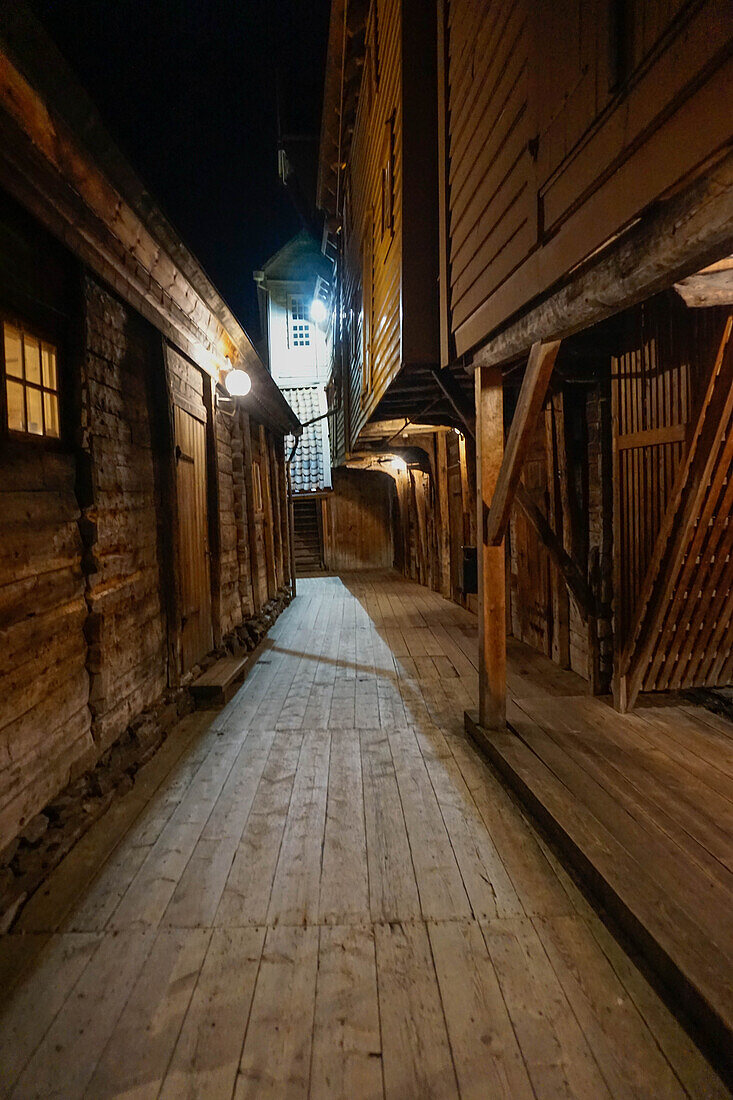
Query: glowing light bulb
x,y
238,383
399,464
318,310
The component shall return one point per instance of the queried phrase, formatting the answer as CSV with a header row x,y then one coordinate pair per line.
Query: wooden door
x,y
193,539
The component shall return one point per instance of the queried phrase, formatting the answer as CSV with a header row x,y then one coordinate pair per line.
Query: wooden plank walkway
x,y
325,892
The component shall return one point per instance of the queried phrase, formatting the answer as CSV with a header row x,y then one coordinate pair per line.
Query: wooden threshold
x,y
218,684
690,976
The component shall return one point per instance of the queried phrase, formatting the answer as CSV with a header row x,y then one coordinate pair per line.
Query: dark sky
x,y
187,88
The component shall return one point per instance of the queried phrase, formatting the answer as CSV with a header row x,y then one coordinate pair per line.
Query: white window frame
x,y
300,329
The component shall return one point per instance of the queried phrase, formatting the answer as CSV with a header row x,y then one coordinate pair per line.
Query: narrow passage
x,y
325,892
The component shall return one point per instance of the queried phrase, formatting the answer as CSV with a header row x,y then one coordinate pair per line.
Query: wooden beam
x,y
443,512
703,291
456,398
165,440
534,387
560,642
676,238
491,566
568,567
268,521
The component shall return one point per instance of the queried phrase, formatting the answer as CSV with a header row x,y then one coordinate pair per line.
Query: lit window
x,y
31,383
299,323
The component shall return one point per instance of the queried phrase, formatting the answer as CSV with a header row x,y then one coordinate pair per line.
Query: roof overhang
x,y
344,65
58,161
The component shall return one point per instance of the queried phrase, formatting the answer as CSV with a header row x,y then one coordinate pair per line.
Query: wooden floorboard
x,y
323,891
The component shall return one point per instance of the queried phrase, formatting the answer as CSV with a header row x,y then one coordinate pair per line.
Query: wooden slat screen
x,y
684,638
650,389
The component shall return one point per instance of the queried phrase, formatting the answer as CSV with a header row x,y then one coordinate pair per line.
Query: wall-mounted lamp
x,y
238,383
319,311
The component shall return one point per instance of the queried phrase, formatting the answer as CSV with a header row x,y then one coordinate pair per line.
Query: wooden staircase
x,y
307,537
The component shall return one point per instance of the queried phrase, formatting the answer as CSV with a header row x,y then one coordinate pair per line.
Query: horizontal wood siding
x,y
560,134
372,259
491,199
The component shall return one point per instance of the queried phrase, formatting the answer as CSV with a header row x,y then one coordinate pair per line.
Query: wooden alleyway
x,y
325,892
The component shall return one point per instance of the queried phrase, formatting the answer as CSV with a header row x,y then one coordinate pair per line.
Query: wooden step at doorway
x,y
218,684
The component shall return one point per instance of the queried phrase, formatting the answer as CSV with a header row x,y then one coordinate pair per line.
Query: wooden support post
x,y
171,573
276,517
531,397
282,488
443,513
213,510
560,607
491,582
457,400
249,492
291,530
269,534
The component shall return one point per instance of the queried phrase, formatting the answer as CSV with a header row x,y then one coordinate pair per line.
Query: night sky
x,y
187,89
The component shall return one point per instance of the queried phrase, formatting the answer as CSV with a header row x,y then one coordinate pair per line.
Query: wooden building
x,y
298,355
143,512
531,206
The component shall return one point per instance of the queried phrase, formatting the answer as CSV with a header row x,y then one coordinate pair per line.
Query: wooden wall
x,y
127,657
567,475
89,552
671,386
433,512
388,316
358,531
45,722
372,252
565,121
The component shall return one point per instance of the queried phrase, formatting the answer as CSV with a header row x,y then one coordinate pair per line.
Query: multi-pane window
x,y
31,383
300,328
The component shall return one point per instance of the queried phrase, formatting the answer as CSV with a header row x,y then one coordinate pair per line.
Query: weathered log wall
x,y
235,592
89,565
125,628
44,685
